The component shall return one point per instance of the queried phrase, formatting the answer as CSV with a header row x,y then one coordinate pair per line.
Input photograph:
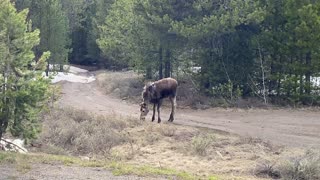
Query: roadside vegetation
x,y
25,163
145,148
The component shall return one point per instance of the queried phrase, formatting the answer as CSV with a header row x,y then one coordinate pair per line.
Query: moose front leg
x,y
154,111
158,108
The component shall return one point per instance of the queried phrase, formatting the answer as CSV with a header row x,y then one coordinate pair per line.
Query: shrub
x,y
201,143
80,132
306,167
267,169
124,85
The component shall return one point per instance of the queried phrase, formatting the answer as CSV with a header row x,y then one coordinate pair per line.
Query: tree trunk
x,y
289,88
280,71
301,77
4,121
148,72
308,73
167,68
272,71
61,67
47,69
160,63
262,73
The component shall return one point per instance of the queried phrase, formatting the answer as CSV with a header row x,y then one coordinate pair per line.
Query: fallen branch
x,y
8,142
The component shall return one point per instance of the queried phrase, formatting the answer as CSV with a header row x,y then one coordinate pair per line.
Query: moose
x,y
154,93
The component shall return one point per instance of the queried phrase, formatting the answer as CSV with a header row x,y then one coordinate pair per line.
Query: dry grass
x,y
79,132
196,150
167,130
199,151
201,144
23,163
124,85
266,169
305,167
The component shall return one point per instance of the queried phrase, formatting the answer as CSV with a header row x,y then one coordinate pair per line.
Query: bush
x,y
124,85
82,133
227,91
306,167
201,143
267,170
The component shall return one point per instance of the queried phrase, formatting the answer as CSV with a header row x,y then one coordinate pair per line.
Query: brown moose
x,y
154,93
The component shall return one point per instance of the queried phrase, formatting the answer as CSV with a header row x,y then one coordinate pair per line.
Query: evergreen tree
x,y
115,34
48,16
212,27
23,88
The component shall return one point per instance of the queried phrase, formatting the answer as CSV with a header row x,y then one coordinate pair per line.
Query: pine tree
x,y
48,16
23,88
115,33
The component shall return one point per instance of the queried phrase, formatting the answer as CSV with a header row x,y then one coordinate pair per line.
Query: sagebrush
x,y
79,132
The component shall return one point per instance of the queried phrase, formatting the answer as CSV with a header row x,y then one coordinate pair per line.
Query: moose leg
x,y
158,108
173,108
154,111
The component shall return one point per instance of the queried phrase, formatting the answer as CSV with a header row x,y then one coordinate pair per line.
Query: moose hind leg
x,y
173,108
154,112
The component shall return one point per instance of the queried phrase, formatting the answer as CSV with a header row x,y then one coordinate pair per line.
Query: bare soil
x,y
290,127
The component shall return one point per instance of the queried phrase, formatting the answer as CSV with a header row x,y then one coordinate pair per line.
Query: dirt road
x,y
300,128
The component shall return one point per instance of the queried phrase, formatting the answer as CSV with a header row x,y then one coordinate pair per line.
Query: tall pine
x,y
23,89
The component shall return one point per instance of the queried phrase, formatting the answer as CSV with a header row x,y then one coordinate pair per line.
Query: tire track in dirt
x,y
298,128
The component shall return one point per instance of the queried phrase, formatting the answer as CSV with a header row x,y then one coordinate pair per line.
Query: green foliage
x,y
227,91
49,18
264,48
23,87
116,31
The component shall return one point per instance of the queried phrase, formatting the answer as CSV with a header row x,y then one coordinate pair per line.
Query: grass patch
x,y
201,143
79,132
7,158
306,167
15,158
167,130
125,169
23,164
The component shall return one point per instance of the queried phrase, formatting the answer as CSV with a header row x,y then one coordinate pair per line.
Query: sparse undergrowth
x,y
125,85
300,167
79,132
145,145
201,143
305,167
